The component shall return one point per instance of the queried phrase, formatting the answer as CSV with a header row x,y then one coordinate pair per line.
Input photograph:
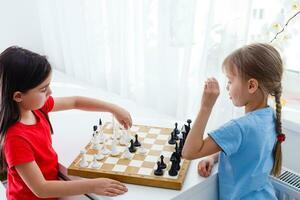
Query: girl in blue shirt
x,y
248,149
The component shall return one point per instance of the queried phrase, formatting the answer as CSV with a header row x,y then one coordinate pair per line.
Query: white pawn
x,y
127,154
114,150
96,146
104,150
95,164
83,161
142,150
101,137
99,155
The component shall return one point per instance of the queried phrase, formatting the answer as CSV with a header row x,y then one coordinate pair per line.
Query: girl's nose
x,y
49,91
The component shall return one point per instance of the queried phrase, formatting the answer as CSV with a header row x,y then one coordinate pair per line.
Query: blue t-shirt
x,y
246,159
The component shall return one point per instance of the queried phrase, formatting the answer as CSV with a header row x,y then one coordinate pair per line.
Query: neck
x,y
258,101
27,117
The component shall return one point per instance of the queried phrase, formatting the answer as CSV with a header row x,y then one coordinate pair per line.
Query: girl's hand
x,y
123,116
205,166
108,187
210,93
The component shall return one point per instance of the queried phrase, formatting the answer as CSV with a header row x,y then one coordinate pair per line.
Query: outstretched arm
x,y
195,146
35,181
90,104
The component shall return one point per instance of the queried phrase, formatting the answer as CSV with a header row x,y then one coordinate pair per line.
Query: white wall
x,y
20,25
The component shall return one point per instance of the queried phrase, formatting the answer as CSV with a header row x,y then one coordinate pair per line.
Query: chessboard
x,y
140,167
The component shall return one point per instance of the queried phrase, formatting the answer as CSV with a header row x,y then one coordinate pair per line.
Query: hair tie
x,y
281,137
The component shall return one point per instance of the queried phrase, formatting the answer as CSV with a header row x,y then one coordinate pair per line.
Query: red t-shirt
x,y
26,143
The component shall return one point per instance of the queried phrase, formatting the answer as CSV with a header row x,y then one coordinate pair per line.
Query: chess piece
x,y
172,139
101,137
176,131
158,171
127,154
124,139
104,150
175,156
136,142
173,171
132,148
95,164
100,122
142,150
162,163
83,162
180,147
114,150
99,155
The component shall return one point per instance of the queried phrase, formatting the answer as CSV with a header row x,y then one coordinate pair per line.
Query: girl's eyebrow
x,y
44,86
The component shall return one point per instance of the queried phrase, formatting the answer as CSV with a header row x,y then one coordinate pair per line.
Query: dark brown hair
x,y
262,62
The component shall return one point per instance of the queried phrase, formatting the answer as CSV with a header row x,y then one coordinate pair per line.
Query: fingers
x,y
204,168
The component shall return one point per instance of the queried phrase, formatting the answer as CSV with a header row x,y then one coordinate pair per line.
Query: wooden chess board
x,y
140,168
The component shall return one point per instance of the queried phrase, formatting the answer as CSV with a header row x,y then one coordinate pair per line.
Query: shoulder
x,y
48,106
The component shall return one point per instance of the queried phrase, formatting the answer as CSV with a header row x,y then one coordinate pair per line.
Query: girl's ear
x,y
17,97
252,85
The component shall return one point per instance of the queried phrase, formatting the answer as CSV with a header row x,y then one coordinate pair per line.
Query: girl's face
x,y
237,88
36,97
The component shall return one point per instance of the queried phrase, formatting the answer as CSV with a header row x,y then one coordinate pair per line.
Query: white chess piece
x,y
127,154
83,161
124,138
114,150
97,146
142,150
101,137
95,164
99,155
104,150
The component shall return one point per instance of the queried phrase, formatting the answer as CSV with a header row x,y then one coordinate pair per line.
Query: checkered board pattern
x,y
140,168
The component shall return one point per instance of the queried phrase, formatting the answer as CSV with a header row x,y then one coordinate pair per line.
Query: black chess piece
x,y
136,142
158,171
189,123
175,155
100,122
173,171
162,163
95,127
176,131
132,148
181,143
172,139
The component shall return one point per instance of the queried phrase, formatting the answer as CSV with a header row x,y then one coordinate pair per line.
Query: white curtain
x,y
155,52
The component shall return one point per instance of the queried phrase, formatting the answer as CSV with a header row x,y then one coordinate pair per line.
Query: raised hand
x,y
210,93
123,116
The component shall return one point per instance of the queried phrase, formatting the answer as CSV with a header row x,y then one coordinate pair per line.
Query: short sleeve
x,y
17,151
228,137
48,106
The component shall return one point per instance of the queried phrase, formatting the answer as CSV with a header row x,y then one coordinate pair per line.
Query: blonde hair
x,y
262,62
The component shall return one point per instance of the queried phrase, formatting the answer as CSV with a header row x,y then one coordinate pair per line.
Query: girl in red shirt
x,y
25,130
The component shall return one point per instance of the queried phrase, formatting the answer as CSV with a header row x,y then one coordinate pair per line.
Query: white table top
x,y
73,130
2,192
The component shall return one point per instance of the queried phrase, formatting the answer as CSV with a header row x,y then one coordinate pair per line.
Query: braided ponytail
x,y
280,136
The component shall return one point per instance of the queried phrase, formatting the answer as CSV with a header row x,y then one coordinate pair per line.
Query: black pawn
x,y
172,139
132,148
162,163
136,142
173,171
158,171
100,122
189,123
176,129
95,127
